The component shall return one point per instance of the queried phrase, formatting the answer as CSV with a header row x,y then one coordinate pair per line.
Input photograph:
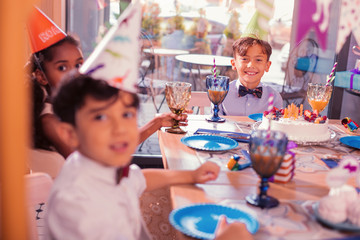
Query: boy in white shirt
x,y
96,195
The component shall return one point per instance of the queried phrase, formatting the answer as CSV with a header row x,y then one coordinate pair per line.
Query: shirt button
x,y
248,104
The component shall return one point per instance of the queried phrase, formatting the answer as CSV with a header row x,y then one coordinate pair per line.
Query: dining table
x,y
294,218
197,61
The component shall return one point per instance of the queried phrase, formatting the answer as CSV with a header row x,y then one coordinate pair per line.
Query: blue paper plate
x,y
344,226
352,141
200,220
239,137
209,142
256,116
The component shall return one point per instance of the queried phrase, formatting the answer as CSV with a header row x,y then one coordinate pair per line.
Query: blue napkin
x,y
240,137
331,163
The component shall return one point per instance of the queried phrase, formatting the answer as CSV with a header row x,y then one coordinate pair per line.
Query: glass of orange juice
x,y
318,96
217,89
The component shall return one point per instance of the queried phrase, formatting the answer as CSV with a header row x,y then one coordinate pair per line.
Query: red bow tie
x,y
120,173
257,92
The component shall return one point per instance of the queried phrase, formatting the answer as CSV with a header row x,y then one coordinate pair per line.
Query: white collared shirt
x,y
233,105
85,202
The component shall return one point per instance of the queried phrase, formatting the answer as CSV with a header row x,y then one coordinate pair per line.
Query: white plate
x,y
344,226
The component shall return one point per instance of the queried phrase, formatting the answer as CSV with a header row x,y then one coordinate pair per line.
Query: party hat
x,y
43,32
115,59
258,27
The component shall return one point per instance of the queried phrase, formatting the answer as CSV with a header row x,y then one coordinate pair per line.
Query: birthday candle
x,y
330,78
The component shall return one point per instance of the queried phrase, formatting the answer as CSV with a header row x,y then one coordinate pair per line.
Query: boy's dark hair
x,y
73,90
241,46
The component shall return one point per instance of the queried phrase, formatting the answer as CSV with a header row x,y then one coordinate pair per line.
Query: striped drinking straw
x,y
331,76
214,69
270,107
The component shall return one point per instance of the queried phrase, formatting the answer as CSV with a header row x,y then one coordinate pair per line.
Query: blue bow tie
x,y
257,92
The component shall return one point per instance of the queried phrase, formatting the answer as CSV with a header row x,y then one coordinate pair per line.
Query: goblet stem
x,y
263,198
216,111
176,124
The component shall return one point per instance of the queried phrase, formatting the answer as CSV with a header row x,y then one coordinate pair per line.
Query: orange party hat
x,y
43,32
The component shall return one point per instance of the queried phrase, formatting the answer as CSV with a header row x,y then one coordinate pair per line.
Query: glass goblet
x,y
217,89
177,96
318,96
267,150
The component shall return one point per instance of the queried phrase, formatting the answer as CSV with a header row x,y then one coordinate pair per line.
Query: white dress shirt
x,y
85,202
233,105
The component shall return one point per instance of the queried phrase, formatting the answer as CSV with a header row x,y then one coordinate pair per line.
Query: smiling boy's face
x,y
252,66
106,131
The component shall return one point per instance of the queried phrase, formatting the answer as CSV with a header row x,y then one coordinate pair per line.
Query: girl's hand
x,y
167,119
207,172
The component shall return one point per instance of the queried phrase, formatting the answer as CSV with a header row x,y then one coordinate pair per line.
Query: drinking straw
x,y
331,76
214,69
270,107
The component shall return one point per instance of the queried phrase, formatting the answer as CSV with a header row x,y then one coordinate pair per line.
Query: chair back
x,y
49,162
37,186
199,100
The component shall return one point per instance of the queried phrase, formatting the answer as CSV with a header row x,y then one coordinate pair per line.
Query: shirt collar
x,y
238,83
100,171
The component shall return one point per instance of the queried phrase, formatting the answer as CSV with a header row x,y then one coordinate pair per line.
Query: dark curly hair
x,y
241,46
71,94
37,59
38,137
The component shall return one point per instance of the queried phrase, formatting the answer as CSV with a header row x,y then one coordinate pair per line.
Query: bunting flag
x,y
100,4
314,15
258,27
115,59
349,22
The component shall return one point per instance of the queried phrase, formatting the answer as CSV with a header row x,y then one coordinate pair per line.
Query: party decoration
x,y
349,124
115,59
258,27
347,168
348,79
313,15
42,31
286,171
349,22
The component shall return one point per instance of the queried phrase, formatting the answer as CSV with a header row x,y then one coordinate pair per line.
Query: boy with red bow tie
x,y
248,95
96,195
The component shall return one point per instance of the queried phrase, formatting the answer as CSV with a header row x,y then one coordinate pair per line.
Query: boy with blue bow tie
x,y
248,95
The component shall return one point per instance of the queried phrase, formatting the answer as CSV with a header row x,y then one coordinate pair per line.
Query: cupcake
x,y
354,212
333,209
346,192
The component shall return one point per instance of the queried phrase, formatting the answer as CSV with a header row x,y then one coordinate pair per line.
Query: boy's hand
x,y
167,119
206,172
235,230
